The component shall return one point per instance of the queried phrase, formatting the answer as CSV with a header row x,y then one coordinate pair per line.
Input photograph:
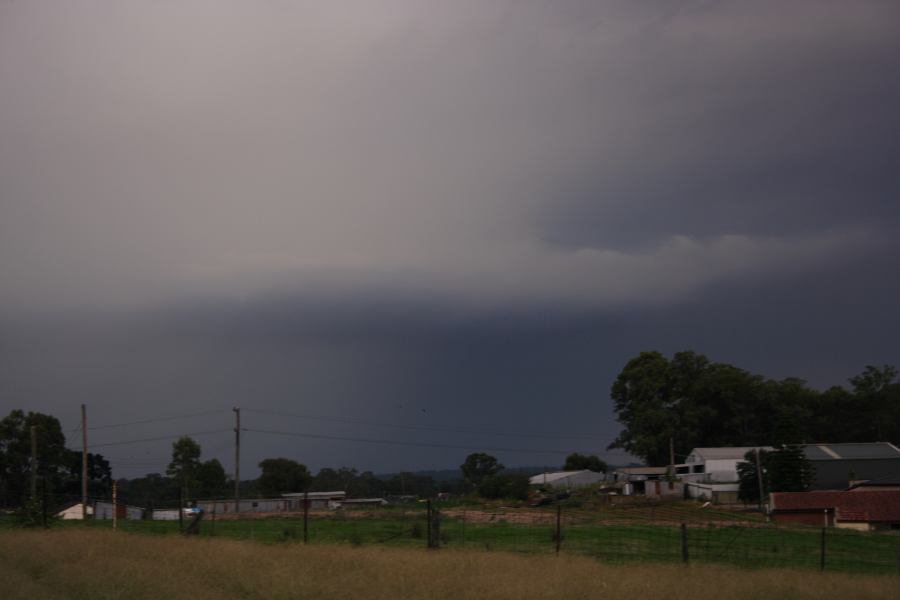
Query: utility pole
x,y
84,463
33,461
237,459
759,480
115,514
672,454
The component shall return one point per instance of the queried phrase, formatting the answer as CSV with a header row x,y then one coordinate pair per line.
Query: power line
x,y
159,419
157,439
545,435
402,443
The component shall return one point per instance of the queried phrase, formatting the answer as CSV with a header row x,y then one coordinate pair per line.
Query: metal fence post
x,y
685,558
822,553
305,517
558,526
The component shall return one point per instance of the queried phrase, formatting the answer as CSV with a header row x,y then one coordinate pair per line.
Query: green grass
x,y
750,545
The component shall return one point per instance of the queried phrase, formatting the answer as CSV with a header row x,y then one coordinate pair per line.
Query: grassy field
x,y
99,564
749,544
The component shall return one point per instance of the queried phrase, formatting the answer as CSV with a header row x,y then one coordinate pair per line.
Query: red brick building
x,y
853,510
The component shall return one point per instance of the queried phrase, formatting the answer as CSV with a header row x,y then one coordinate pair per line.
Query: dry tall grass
x,y
101,564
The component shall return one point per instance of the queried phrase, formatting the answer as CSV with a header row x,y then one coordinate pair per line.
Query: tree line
x,y
188,477
693,402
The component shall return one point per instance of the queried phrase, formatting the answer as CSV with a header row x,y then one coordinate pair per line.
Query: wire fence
x,y
626,532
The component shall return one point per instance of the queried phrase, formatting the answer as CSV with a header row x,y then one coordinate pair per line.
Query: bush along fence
x,y
628,533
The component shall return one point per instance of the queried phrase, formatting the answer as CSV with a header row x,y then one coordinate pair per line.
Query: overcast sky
x,y
413,220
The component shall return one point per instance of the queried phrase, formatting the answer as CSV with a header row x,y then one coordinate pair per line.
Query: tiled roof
x,y
849,506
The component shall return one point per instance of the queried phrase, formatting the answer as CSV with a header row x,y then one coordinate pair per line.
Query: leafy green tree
x,y
581,462
748,488
788,470
99,475
513,486
878,404
642,399
15,455
212,482
327,479
414,484
280,475
151,491
478,467
185,464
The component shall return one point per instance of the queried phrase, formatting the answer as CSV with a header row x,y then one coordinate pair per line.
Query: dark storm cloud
x,y
412,212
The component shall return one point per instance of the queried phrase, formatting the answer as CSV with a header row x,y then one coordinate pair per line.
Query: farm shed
x,y
634,479
104,510
715,465
717,493
836,465
317,499
74,512
364,502
165,514
877,485
567,479
852,510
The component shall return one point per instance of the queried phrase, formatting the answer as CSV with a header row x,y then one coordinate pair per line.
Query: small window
x,y
683,470
699,469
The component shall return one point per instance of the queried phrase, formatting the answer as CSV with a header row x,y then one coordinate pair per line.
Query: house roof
x,y
857,506
827,452
561,475
726,453
643,470
314,495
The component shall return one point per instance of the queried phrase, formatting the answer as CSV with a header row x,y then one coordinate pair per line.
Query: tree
x,y
505,485
212,482
642,400
15,455
478,467
99,474
581,462
877,403
185,463
748,487
280,475
788,470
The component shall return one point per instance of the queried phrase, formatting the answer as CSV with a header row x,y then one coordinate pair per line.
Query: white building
x,y
74,512
715,465
104,510
711,473
568,479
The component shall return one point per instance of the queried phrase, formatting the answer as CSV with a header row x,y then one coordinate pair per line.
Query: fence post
x,y
685,558
558,526
305,517
428,523
44,502
435,527
822,553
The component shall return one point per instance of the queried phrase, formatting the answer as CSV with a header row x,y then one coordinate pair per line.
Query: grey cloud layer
x,y
482,153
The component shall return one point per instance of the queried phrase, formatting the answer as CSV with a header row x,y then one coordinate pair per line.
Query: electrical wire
x,y
157,439
402,443
546,435
160,419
